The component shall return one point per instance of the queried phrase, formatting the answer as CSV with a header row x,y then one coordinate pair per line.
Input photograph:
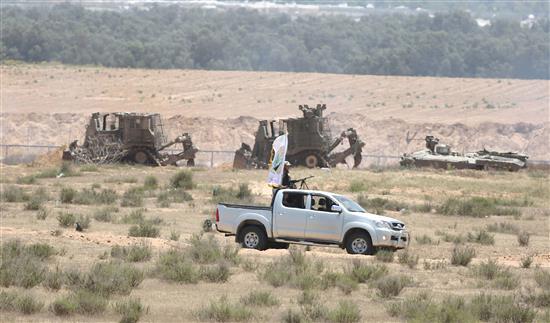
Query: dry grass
x,y
194,270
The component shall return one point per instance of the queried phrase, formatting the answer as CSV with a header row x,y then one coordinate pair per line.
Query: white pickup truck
x,y
311,218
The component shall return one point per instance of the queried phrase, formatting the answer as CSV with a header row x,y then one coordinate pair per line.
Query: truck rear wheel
x,y
253,237
141,157
359,243
311,160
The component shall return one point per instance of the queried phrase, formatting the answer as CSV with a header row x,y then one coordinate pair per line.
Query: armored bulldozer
x,y
310,142
129,137
438,155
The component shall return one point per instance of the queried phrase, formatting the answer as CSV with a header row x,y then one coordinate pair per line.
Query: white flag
x,y
277,162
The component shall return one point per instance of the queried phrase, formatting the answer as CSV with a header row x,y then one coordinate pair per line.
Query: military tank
x,y
438,155
310,142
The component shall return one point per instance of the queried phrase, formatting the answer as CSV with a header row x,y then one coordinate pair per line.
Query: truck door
x,y
289,215
323,224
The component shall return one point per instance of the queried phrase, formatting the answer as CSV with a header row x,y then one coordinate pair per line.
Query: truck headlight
x,y
382,224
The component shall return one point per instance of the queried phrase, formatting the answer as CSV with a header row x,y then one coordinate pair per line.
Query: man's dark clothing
x,y
286,179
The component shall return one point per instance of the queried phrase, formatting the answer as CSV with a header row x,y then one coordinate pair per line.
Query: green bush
x,y
499,276
133,197
88,303
178,195
295,270
481,237
523,238
26,180
105,214
63,306
424,239
385,255
221,310
130,309
476,207
345,312
542,278
112,277
122,179
363,273
391,286
21,302
67,194
84,221
500,309
526,261
34,203
292,316
208,250
358,186
134,253
503,227
134,217
182,179
144,229
42,214
230,195
174,235
150,182
23,265
177,266
13,194
218,273
91,196
66,219
89,168
461,256
407,258
54,279
260,298
344,282
378,205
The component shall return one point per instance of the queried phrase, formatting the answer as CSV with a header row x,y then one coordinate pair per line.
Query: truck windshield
x,y
349,204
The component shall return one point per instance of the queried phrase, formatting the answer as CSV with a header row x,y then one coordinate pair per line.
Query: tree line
x,y
449,44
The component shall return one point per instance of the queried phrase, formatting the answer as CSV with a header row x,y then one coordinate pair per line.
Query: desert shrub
x,y
503,227
105,214
144,229
67,169
378,205
385,255
345,312
391,286
54,279
523,238
134,217
13,194
84,221
358,186
89,168
481,237
174,235
150,182
134,253
312,309
292,316
88,303
344,282
112,277
208,250
176,266
499,277
260,298
424,239
177,195
133,197
66,219
63,306
23,265
295,270
539,300
34,203
67,194
182,179
26,180
434,265
488,307
421,308
42,214
130,309
526,261
218,273
476,207
542,277
221,310
363,273
407,258
27,304
461,256
425,207
230,195
447,237
91,196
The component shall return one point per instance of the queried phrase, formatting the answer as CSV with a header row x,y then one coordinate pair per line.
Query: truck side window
x,y
294,200
321,203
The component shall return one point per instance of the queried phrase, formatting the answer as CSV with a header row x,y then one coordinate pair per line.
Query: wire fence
x,y
16,154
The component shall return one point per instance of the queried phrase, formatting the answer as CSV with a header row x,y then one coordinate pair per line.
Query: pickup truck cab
x,y
312,218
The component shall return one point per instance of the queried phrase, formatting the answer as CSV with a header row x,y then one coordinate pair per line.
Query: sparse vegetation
x,y
229,195
221,310
134,253
66,219
130,309
144,229
461,256
385,255
260,298
24,303
345,312
407,258
503,227
182,179
133,197
391,286
523,238
150,183
477,207
481,237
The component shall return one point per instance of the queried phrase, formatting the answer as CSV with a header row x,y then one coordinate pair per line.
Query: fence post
x,y
211,159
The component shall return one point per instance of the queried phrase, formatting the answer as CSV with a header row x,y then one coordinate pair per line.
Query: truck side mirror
x,y
336,208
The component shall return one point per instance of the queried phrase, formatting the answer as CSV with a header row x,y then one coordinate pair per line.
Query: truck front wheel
x,y
253,237
359,243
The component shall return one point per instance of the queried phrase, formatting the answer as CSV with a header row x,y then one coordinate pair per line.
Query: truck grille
x,y
397,226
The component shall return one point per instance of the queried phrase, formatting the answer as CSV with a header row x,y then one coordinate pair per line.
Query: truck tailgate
x,y
229,215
